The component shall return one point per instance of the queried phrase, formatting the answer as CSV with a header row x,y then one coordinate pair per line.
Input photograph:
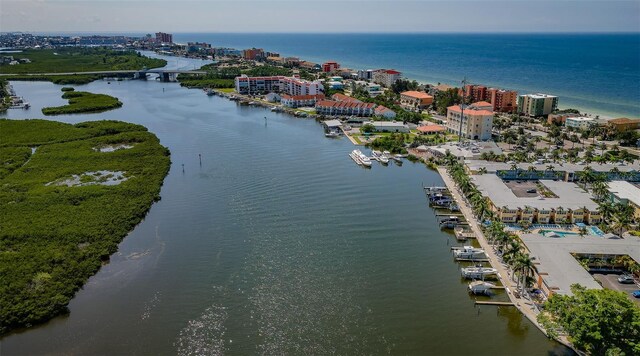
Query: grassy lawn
x,y
226,90
83,102
64,60
53,237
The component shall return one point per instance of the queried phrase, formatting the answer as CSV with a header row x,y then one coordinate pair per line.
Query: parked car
x,y
626,279
636,294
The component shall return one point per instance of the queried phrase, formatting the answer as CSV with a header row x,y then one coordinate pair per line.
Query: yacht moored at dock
x,y
449,222
360,158
477,272
468,253
378,156
480,287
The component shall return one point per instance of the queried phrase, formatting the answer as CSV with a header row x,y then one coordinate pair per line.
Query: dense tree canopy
x,y
598,321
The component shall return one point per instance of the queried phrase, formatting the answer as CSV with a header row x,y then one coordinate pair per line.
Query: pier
x,y
489,302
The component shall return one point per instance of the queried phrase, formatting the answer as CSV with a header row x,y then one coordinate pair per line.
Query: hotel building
x,y
502,100
579,122
386,77
415,100
476,123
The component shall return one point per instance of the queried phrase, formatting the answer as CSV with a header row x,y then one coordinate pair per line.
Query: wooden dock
x,y
488,302
472,259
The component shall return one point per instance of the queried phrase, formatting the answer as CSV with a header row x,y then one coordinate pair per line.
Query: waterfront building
x,y
580,123
386,77
367,74
570,204
344,108
568,172
329,67
502,100
162,37
624,124
415,100
310,66
389,126
296,101
385,112
474,92
253,54
279,84
537,104
477,122
625,193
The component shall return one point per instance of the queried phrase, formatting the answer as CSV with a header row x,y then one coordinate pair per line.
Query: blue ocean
x,y
597,73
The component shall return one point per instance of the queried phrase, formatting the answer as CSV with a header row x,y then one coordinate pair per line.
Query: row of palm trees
x,y
619,217
508,245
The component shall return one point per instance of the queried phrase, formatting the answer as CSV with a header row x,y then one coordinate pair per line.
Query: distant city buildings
x,y
537,104
477,122
253,54
386,77
329,67
415,100
162,37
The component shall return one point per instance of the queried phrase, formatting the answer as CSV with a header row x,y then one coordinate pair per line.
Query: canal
x,y
276,244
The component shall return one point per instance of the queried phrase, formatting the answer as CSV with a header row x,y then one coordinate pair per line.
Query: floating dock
x,y
488,302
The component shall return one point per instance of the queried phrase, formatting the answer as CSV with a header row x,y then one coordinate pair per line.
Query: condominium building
x,y
572,205
580,123
296,101
474,92
627,194
537,104
415,100
328,67
502,100
279,84
164,37
386,77
253,54
345,108
476,123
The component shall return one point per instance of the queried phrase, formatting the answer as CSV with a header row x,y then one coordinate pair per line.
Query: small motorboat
x,y
480,287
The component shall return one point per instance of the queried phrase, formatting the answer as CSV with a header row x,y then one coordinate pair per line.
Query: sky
x,y
142,16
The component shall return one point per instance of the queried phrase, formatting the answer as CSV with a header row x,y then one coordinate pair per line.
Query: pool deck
x,y
524,304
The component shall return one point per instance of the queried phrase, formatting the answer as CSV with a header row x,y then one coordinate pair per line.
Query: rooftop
x,y
467,150
431,128
470,110
332,123
625,190
417,94
580,118
569,195
539,96
493,167
560,270
387,123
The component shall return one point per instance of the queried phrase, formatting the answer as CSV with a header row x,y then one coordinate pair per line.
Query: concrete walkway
x,y
525,305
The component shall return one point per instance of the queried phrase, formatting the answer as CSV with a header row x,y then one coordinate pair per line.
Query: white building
x,y
279,84
579,122
386,77
537,104
389,126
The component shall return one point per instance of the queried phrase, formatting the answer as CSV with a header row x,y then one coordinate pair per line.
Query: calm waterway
x,y
277,244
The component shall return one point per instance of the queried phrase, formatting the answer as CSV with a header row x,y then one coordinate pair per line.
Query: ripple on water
x,y
203,335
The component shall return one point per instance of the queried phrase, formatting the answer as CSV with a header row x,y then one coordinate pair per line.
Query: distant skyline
x,y
307,16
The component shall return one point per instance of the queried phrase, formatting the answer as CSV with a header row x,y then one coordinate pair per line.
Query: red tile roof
x,y
417,94
391,71
344,104
342,97
382,109
431,128
470,111
482,103
303,97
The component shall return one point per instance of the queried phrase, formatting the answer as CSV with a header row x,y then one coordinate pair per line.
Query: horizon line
x,y
349,32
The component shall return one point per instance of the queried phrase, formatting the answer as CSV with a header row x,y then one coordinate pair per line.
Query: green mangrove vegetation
x,y
5,100
83,102
62,213
83,59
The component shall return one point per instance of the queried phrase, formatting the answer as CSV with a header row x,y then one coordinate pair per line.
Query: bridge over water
x,y
165,75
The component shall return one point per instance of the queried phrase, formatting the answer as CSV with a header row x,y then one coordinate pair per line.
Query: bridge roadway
x,y
132,71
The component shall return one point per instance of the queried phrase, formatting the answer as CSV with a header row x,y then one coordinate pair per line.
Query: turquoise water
x,y
598,73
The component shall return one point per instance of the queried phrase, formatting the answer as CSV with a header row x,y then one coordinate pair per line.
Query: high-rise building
x,y
330,66
164,37
502,100
278,84
253,54
537,104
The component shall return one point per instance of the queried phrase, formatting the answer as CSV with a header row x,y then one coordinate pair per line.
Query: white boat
x,y
477,272
469,253
480,287
380,157
360,158
332,134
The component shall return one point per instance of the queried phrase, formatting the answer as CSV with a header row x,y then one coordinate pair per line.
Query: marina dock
x,y
489,302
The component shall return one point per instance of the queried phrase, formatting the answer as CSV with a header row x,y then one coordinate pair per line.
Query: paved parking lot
x,y
610,281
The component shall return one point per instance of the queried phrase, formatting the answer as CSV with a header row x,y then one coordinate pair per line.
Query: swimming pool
x,y
594,230
545,233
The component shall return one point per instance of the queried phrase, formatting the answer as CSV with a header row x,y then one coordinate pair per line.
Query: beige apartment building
x,y
415,100
477,122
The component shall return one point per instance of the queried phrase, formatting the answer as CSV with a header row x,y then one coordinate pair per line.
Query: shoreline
x,y
524,306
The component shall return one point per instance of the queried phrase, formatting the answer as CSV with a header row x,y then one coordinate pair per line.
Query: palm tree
x,y
524,266
482,170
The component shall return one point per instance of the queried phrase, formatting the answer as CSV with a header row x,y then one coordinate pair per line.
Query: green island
x,y
73,60
68,195
83,102
5,100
